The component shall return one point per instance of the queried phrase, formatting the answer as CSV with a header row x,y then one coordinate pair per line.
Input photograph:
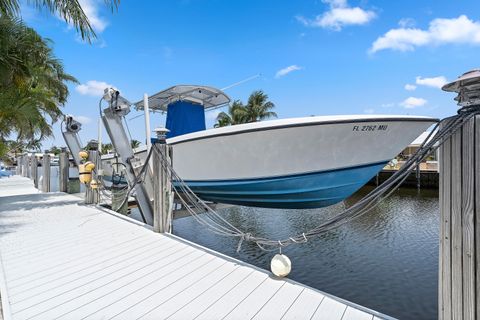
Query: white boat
x,y
288,163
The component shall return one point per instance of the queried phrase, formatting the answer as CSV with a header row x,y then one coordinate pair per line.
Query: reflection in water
x,y
386,260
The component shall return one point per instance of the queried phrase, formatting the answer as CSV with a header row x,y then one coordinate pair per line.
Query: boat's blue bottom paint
x,y
312,190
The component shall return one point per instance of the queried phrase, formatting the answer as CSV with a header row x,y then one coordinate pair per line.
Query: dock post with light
x,y
162,187
459,269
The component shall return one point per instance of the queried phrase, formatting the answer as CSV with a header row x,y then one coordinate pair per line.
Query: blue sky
x,y
314,57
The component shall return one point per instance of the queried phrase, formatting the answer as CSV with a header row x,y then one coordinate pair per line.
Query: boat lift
x,y
70,135
112,119
118,108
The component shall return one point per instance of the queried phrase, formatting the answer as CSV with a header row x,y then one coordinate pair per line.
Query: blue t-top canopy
x,y
184,117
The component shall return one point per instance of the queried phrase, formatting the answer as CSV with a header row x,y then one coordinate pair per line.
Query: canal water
x,y
386,260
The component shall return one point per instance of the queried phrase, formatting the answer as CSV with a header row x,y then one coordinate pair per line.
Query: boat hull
x,y
312,190
297,163
293,163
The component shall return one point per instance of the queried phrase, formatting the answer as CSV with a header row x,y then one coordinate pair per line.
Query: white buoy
x,y
281,265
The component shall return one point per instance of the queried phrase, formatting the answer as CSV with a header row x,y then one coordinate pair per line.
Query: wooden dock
x,y
64,260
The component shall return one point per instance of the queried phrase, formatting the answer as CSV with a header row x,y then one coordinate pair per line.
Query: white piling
x,y
162,187
63,171
35,171
46,172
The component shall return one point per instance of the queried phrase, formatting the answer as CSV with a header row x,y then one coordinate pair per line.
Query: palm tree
x,y
69,10
235,115
55,150
32,83
258,107
107,148
135,144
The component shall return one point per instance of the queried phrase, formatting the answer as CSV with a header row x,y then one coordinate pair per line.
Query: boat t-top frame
x,y
209,97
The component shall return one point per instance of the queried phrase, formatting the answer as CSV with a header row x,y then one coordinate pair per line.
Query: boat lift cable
x,y
219,225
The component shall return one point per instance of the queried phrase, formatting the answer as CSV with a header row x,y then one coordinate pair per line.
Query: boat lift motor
x,y
70,134
112,118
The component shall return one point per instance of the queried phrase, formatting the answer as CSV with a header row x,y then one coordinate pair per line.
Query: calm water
x,y
55,177
386,260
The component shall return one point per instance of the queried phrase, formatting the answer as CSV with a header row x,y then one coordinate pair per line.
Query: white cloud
x,y
339,16
283,72
369,111
91,9
83,119
412,102
440,31
435,82
410,87
93,88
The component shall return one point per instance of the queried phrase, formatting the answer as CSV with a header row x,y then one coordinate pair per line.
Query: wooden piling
x,y
19,166
35,171
162,208
29,166
46,172
32,166
63,170
24,165
459,274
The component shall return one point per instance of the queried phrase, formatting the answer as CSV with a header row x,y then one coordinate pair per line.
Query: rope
x,y
219,225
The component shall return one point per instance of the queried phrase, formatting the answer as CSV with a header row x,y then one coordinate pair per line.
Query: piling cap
x,y
468,79
161,133
468,88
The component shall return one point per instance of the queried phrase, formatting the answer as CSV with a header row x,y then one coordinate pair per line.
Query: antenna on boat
x,y
241,82
234,85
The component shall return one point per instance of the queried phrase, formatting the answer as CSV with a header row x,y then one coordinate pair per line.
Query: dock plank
x,y
256,300
304,306
223,306
200,303
64,260
278,305
355,314
329,309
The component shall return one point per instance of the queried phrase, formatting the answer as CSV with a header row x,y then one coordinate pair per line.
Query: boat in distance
x,y
309,162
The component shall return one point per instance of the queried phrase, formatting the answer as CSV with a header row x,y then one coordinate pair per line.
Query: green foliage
x,y
55,150
69,10
235,115
258,108
107,148
32,84
135,144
